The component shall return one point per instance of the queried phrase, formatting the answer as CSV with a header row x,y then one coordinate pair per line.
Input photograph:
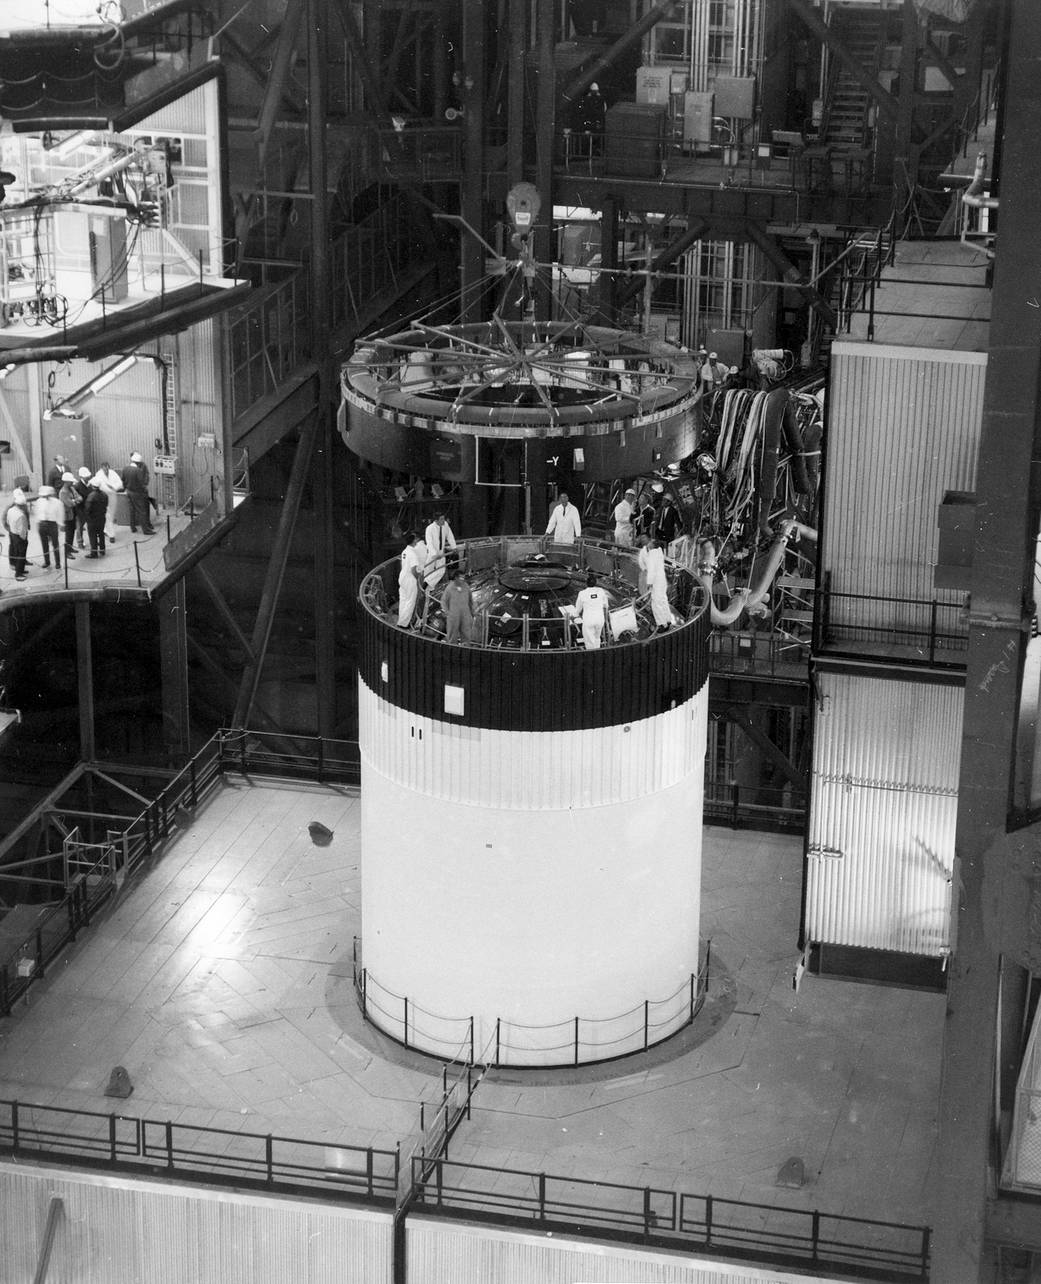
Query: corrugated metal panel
x,y
15,420
882,813
185,115
136,1232
903,427
525,769
439,1252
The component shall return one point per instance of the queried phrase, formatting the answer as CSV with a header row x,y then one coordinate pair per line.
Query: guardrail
x,y
262,1161
914,630
617,564
890,1251
574,1041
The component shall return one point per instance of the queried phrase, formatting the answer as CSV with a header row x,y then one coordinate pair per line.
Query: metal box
x,y
697,118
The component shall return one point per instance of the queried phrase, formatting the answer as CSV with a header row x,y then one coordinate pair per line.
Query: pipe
x,y
584,79
747,599
972,194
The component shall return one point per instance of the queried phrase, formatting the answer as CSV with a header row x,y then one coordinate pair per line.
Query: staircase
x,y
844,125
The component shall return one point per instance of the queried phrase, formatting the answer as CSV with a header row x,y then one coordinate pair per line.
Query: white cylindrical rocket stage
x,y
531,823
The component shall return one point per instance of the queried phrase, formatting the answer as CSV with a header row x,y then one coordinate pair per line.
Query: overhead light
x,y
7,370
112,373
96,384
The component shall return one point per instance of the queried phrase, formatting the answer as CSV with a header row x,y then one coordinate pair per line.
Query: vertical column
x,y
1002,576
608,260
471,251
515,92
545,139
323,580
85,677
173,660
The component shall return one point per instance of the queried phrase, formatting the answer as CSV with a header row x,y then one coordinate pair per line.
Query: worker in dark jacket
x,y
135,483
96,510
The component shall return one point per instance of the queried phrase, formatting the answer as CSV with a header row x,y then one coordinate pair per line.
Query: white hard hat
x,y
594,88
84,472
67,477
45,490
135,458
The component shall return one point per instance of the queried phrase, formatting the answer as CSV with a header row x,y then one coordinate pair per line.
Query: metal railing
x,y
739,805
696,1223
422,153
264,1161
87,889
574,1041
269,337
913,630
533,633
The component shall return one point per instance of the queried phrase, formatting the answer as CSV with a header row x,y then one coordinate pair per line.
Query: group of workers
x,y
72,510
427,560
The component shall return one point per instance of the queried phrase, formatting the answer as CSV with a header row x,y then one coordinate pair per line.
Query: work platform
x,y
222,981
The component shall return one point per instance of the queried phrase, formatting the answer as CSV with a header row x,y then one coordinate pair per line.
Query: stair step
x,y
794,582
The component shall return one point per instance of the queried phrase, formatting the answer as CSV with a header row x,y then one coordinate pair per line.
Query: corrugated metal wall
x,y
439,1252
127,414
882,813
481,766
185,115
903,427
16,418
112,1229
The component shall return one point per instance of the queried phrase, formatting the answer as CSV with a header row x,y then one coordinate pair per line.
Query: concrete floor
x,y
222,981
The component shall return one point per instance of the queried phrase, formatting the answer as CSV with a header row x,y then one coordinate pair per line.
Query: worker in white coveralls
x,y
658,585
565,525
623,519
591,608
412,562
438,538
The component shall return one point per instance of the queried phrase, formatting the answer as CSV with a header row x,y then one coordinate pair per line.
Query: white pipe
x,y
972,194
747,599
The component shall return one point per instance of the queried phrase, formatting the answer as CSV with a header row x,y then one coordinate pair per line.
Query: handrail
x,y
143,836
686,596
911,623
215,1155
726,1227
514,1043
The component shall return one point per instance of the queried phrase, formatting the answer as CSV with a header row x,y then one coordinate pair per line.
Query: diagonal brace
x,y
276,570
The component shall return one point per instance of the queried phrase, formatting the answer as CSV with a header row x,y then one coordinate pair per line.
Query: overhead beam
x,y
790,273
276,570
695,231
